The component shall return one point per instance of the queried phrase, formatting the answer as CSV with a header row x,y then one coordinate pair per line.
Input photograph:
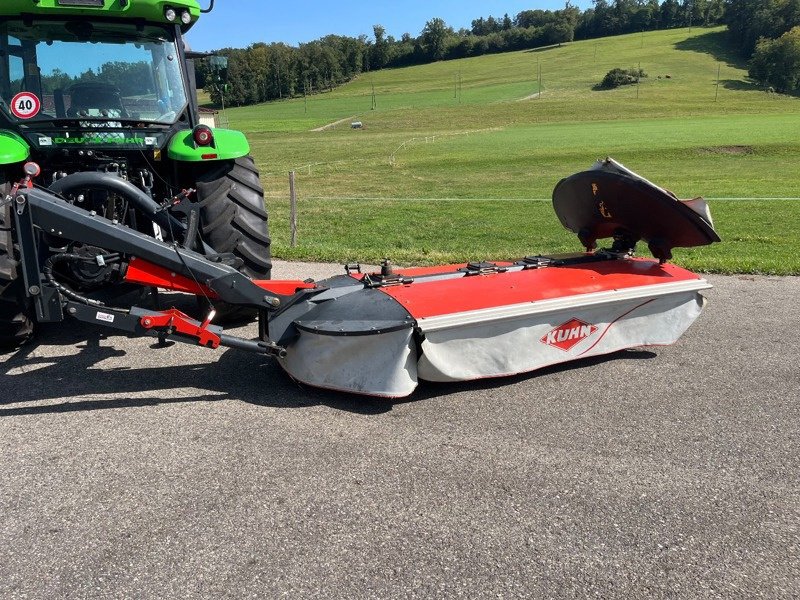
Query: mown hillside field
x,y
457,159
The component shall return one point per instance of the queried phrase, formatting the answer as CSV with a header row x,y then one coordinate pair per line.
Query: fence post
x,y
293,208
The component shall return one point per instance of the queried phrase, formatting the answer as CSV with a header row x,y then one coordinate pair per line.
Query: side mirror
x,y
219,68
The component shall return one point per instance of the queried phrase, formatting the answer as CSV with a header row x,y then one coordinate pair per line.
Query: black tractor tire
x,y
16,326
233,219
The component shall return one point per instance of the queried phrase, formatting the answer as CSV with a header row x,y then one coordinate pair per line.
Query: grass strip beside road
x,y
759,236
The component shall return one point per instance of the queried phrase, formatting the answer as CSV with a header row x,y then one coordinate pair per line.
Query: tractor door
x,y
18,69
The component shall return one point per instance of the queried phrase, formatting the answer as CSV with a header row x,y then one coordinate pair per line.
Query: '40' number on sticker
x,y
25,105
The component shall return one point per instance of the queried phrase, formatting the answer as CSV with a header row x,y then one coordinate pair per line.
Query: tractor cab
x,y
100,74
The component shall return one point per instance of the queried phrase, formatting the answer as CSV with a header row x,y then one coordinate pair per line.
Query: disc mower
x,y
110,183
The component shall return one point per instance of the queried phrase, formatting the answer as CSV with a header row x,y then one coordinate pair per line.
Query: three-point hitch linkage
x,y
141,260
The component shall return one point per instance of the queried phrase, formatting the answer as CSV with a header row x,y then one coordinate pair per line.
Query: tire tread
x,y
233,215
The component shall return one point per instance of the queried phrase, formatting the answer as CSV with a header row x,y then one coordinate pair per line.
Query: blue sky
x,y
239,23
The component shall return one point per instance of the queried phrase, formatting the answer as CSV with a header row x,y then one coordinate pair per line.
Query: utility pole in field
x,y
539,93
638,79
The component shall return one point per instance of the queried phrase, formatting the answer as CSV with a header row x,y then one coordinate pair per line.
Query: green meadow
x,y
458,159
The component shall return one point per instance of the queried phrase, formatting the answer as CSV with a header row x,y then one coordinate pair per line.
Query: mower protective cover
x,y
380,333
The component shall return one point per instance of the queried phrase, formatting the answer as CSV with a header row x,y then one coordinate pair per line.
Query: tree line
x,y
768,33
131,79
264,72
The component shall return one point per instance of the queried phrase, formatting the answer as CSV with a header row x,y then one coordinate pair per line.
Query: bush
x,y
776,63
617,77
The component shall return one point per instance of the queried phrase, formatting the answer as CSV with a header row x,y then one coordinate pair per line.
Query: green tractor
x,y
101,93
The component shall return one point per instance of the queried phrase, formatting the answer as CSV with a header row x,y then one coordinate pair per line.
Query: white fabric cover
x,y
515,346
387,365
382,365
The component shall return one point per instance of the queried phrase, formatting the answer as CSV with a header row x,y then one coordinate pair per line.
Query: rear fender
x,y
13,148
227,145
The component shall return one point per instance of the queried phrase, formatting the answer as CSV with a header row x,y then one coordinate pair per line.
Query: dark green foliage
x,y
768,31
434,38
631,16
750,20
130,78
776,63
618,77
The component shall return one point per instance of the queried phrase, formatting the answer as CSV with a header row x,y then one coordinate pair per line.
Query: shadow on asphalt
x,y
235,376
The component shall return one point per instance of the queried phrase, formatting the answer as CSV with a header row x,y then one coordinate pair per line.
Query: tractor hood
x,y
610,201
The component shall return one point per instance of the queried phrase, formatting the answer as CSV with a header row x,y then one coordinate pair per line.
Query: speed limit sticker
x,y
26,105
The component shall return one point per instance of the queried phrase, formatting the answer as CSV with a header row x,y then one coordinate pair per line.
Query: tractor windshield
x,y
95,72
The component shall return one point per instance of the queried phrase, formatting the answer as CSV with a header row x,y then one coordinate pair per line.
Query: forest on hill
x,y
767,32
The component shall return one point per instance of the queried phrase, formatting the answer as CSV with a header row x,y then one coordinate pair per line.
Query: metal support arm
x,y
59,218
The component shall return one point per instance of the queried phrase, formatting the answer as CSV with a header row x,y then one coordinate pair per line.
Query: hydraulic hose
x,y
112,183
49,275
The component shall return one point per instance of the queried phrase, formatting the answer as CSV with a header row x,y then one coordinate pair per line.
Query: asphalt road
x,y
131,472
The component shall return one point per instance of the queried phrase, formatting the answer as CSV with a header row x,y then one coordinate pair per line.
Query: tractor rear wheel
x,y
234,220
15,323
